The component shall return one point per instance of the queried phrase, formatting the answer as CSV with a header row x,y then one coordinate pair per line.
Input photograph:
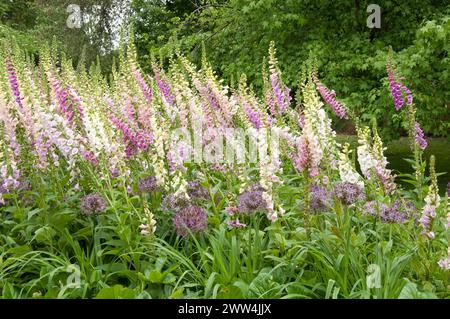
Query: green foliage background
x,y
33,23
351,56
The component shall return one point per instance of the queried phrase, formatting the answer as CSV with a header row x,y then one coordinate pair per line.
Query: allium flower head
x,y
196,191
93,204
148,184
252,201
320,198
349,193
191,218
399,212
374,208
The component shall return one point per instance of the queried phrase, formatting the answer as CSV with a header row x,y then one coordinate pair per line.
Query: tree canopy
x,y
351,56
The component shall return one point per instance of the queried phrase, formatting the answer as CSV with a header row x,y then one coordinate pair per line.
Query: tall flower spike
x,y
347,172
329,98
366,160
398,89
13,81
431,204
420,137
280,93
311,144
149,226
395,87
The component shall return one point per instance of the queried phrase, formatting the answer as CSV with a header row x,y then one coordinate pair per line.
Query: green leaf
x,y
261,285
155,276
410,291
44,234
116,292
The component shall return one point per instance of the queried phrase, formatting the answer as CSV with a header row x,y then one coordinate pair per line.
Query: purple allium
x,y
191,218
399,212
374,208
252,200
420,137
448,189
196,191
320,198
92,204
174,202
148,184
349,193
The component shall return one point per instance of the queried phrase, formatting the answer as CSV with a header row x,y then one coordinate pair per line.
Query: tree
x,y
351,56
